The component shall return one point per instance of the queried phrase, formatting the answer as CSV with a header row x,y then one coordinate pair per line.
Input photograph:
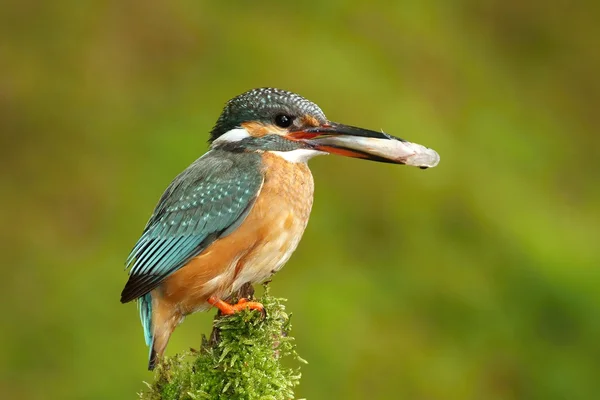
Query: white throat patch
x,y
298,155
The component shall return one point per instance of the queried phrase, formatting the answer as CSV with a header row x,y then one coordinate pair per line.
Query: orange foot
x,y
228,309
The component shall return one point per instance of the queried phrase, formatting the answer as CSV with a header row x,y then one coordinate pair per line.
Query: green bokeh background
x,y
474,280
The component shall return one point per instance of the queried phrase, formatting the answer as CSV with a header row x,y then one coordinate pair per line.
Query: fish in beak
x,y
356,142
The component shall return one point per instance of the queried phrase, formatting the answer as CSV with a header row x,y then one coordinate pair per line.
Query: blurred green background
x,y
474,280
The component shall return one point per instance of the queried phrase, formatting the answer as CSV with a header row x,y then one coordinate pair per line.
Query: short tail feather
x,y
145,305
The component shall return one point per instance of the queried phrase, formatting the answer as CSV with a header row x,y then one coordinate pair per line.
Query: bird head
x,y
269,119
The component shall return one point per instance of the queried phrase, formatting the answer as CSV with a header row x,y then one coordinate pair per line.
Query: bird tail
x,y
145,305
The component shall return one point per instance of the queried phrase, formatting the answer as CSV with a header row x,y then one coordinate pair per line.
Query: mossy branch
x,y
242,359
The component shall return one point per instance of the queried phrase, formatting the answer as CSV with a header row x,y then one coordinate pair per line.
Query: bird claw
x,y
243,303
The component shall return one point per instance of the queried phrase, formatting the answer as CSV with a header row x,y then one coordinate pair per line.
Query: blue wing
x,y
206,201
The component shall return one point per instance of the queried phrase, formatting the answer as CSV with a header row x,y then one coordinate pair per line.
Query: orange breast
x,y
259,247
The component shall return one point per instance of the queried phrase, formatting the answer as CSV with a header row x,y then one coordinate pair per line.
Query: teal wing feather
x,y
206,201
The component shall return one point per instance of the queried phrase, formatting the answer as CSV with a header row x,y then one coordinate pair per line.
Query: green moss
x,y
241,360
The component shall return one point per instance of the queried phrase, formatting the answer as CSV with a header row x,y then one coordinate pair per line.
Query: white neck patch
x,y
298,155
233,135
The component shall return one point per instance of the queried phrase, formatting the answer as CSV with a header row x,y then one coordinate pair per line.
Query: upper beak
x,y
356,142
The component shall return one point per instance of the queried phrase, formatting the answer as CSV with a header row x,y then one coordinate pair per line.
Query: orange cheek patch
x,y
257,129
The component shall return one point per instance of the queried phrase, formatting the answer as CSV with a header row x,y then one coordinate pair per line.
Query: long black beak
x,y
335,129
351,141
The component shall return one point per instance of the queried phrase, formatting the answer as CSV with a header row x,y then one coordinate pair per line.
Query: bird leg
x,y
228,309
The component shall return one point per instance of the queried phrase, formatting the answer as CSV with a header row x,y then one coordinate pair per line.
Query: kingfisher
x,y
237,213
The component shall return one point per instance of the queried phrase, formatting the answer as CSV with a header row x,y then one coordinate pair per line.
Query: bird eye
x,y
283,121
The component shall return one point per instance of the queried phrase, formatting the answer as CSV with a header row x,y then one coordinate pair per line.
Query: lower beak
x,y
356,142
